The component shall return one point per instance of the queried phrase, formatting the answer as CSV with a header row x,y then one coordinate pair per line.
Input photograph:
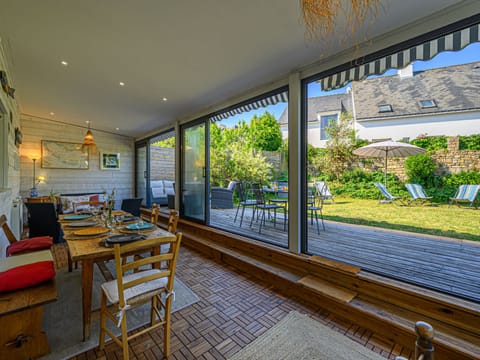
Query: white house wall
x,y
411,127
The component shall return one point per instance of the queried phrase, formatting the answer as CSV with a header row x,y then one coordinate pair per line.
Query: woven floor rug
x,y
62,320
299,337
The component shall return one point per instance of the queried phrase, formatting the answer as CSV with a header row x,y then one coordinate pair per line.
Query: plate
x,y
81,224
92,231
138,226
77,217
125,238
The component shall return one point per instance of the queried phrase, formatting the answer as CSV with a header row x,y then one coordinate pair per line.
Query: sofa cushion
x,y
27,275
169,187
28,245
68,201
157,192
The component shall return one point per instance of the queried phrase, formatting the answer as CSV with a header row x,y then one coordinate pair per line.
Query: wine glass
x,y
94,210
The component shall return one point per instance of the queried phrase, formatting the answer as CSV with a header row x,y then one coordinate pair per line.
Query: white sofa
x,y
161,190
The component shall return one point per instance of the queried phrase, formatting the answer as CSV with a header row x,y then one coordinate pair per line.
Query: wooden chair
x,y
101,204
21,246
130,290
6,229
172,221
154,214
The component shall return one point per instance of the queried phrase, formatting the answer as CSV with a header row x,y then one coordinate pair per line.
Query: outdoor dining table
x,y
90,250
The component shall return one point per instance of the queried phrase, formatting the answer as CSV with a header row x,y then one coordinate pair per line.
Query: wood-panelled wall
x,y
70,180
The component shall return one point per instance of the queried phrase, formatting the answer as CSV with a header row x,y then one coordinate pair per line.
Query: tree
x,y
265,133
340,145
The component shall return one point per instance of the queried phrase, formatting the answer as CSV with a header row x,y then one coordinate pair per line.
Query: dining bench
x,y
22,310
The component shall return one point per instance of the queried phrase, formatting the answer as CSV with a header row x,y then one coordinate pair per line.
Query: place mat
x,y
82,223
77,217
121,239
139,227
147,231
92,231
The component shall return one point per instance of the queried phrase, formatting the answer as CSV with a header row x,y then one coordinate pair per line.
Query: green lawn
x,y
461,223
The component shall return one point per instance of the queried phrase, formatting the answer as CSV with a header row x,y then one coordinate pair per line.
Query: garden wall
x,y
162,163
450,161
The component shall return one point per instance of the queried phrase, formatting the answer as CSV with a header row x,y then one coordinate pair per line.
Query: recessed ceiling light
x,y
64,63
52,113
122,83
117,129
164,99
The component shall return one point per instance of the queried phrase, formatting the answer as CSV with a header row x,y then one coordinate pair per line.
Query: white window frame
x,y
325,114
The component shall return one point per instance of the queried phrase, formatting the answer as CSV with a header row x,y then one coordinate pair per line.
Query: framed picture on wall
x,y
109,161
63,155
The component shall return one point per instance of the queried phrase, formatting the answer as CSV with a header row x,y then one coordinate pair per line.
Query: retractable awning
x,y
251,105
453,41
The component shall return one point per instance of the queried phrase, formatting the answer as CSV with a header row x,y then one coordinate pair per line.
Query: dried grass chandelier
x,y
88,141
320,16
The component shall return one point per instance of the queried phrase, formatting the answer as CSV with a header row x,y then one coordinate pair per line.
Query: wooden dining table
x,y
90,250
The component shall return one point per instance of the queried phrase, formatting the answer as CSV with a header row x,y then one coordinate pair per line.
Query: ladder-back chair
x,y
131,290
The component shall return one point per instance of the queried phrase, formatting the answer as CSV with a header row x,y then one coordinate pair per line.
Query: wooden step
x,y
451,339
335,264
328,289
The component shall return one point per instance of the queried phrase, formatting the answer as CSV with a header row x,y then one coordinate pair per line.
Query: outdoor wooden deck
x,y
447,265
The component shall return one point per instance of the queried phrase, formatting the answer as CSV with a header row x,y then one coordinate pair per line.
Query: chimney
x,y
406,72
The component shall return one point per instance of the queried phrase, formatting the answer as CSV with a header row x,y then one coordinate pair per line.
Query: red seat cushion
x,y
24,276
28,245
94,198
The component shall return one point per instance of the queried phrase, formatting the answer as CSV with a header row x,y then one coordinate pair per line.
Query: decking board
x,y
448,265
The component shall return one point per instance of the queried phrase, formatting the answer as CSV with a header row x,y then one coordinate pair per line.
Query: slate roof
x,y
321,104
453,88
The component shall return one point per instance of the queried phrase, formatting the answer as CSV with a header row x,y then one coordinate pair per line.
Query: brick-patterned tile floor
x,y
234,309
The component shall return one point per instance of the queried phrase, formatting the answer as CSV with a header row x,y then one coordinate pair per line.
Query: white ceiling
x,y
194,53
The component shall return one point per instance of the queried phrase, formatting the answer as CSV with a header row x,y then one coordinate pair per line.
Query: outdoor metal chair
x,y
244,201
387,197
322,189
466,194
261,204
418,194
315,206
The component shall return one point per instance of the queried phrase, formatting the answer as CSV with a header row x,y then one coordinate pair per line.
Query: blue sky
x,y
469,54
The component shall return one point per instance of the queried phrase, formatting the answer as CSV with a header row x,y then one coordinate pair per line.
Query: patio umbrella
x,y
388,149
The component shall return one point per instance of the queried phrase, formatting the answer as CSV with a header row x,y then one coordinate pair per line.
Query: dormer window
x,y
425,104
385,108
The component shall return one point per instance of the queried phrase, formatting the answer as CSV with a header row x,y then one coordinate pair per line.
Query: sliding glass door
x,y
193,184
141,173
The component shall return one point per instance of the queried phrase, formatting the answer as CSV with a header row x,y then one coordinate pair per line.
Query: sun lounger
x,y
466,194
418,194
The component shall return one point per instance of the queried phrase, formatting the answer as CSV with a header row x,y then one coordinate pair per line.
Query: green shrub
x,y
471,142
430,143
421,169
358,183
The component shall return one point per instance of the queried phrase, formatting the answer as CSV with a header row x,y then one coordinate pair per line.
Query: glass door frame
x,y
206,122
144,143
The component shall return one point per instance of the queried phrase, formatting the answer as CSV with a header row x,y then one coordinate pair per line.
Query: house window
x,y
385,108
425,104
325,122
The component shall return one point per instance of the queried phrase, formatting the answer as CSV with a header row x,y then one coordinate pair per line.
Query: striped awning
x,y
453,41
252,105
